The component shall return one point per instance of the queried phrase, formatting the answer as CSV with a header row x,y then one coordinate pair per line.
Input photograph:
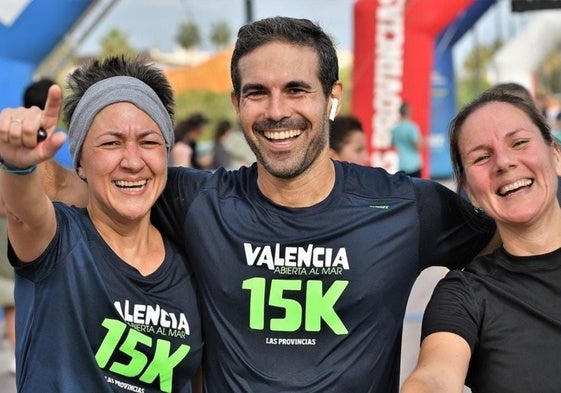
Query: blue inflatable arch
x,y
29,30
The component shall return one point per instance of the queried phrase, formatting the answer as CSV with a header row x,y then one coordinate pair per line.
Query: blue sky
x,y
154,23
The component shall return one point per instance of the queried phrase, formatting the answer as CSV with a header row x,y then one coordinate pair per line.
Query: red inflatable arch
x,y
393,60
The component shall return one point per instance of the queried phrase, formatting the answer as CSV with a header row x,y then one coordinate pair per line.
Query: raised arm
x,y
442,366
31,216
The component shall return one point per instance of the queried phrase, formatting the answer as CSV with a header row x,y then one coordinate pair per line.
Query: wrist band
x,y
16,171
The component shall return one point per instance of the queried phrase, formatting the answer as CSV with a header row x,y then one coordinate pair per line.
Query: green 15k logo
x,y
319,305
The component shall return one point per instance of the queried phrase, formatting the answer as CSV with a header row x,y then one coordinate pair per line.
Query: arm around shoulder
x,y
62,184
442,366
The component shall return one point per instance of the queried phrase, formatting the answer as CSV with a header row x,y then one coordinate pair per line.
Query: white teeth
x,y
281,134
131,184
514,186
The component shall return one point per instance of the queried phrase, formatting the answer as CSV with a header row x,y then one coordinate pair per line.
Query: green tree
x,y
220,34
55,62
473,82
549,74
116,42
480,56
188,35
200,101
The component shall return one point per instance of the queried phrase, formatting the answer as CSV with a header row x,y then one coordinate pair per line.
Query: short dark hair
x,y
222,128
191,123
301,32
339,131
35,94
491,95
99,69
513,88
404,109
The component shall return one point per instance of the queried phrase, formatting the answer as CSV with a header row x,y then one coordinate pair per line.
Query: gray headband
x,y
110,91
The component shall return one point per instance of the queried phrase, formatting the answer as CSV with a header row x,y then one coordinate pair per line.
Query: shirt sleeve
x,y
68,233
170,211
453,308
452,233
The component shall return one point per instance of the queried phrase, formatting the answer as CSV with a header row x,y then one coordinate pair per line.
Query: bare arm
x,y
442,366
31,216
62,184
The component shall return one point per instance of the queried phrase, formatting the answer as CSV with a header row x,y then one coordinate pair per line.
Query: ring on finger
x,y
16,120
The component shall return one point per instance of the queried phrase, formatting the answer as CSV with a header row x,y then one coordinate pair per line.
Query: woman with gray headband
x,y
105,304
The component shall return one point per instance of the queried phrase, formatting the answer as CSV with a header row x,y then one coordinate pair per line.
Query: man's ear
x,y
556,156
334,109
235,102
334,100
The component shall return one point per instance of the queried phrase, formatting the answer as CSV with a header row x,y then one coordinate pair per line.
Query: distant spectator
x,y
347,141
406,138
187,133
540,102
234,142
220,156
556,129
514,89
549,107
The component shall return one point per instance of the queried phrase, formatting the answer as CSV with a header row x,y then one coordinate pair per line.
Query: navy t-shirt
x,y
89,322
311,299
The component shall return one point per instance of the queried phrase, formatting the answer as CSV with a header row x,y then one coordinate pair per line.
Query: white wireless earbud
x,y
333,111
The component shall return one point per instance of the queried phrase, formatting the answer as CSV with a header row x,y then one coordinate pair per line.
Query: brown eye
x,y
481,158
520,142
254,94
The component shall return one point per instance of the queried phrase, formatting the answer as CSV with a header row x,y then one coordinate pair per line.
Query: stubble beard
x,y
291,165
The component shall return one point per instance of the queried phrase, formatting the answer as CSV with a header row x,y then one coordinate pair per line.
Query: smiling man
x,y
304,279
304,264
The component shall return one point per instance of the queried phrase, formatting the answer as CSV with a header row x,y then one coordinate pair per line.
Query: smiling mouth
x,y
517,185
280,135
131,185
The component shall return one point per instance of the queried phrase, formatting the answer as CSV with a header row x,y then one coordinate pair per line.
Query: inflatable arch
x,y
540,36
396,44
29,31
